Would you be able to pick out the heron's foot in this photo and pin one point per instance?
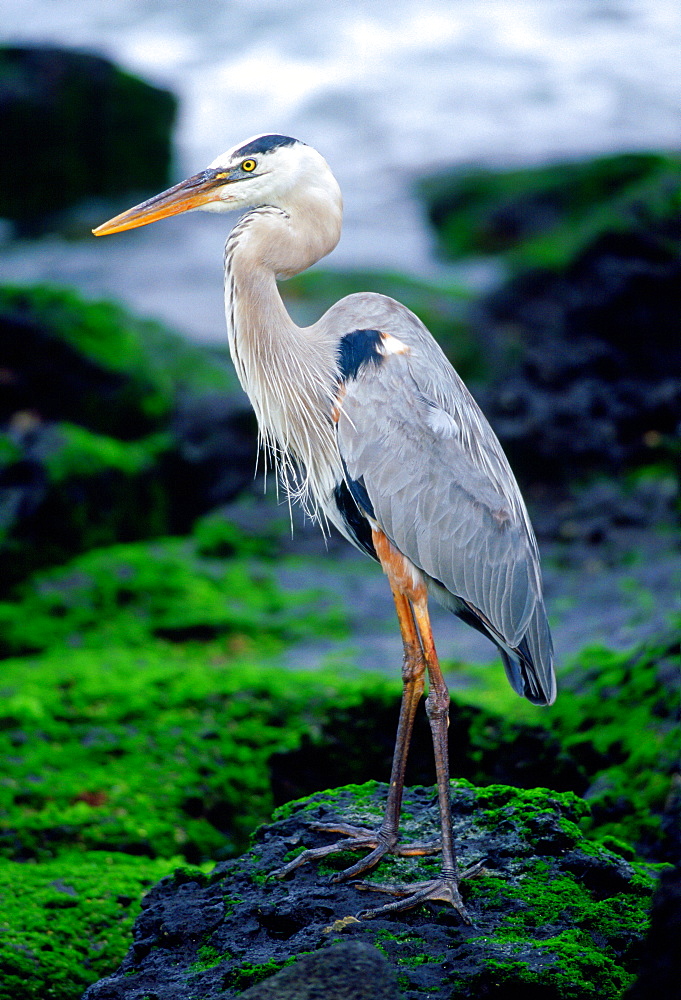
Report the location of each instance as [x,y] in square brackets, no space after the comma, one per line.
[356,838]
[443,889]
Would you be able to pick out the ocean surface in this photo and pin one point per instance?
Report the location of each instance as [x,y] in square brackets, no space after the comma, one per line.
[388,92]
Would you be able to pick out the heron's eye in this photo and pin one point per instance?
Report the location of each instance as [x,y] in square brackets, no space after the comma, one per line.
[249,166]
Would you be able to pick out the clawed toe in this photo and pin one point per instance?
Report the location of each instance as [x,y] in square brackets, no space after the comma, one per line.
[444,889]
[356,838]
[317,853]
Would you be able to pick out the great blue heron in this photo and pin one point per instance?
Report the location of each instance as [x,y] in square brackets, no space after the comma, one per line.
[372,427]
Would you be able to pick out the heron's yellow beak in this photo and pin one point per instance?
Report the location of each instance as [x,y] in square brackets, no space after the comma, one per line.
[192,193]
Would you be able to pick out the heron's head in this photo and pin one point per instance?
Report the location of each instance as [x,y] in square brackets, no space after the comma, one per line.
[265,170]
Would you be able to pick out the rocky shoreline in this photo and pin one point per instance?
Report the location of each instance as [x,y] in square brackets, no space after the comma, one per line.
[176,663]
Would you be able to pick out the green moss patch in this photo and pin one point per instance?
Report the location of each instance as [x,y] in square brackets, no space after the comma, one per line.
[613,735]
[129,594]
[66,922]
[113,373]
[546,216]
[619,714]
[94,490]
[158,751]
[151,713]
[89,452]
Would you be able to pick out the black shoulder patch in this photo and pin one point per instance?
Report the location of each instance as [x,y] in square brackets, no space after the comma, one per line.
[358,349]
[356,523]
[264,144]
[359,493]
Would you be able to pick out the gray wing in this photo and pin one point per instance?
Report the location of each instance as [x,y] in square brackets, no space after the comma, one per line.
[422,461]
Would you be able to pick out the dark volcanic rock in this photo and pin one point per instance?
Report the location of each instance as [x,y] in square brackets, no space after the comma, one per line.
[76,126]
[215,452]
[555,916]
[660,975]
[111,428]
[598,383]
[349,971]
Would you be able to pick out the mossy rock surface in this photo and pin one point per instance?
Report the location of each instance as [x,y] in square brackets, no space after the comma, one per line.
[553,914]
[545,216]
[75,126]
[95,364]
[158,663]
[64,488]
[583,337]
[169,588]
[111,429]
[618,717]
[589,742]
[147,715]
[67,921]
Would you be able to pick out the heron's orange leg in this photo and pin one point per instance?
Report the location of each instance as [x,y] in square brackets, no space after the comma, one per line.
[411,602]
[444,888]
[384,840]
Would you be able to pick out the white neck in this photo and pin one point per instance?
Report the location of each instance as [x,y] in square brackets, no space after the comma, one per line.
[289,374]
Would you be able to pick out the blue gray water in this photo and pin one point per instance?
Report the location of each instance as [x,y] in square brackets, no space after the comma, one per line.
[387,91]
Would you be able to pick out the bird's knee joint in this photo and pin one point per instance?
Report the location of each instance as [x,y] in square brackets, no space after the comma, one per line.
[411,672]
[413,666]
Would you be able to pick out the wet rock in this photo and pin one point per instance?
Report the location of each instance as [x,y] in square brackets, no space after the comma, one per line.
[352,971]
[215,452]
[553,913]
[660,974]
[596,386]
[64,489]
[75,126]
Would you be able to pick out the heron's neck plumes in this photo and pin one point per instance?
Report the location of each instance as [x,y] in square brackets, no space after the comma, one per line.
[289,374]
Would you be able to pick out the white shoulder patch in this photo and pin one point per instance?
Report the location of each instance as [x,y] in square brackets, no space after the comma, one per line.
[391,345]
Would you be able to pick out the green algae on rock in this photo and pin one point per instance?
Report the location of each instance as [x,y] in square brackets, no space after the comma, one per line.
[164,589]
[552,912]
[619,721]
[157,750]
[66,488]
[545,216]
[66,921]
[95,410]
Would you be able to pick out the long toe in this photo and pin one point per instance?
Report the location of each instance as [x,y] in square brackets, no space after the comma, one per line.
[444,889]
[317,853]
[356,838]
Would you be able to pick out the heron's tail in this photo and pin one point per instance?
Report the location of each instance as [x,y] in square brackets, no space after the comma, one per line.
[529,666]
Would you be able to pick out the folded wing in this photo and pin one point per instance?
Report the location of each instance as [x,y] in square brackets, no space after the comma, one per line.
[422,462]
